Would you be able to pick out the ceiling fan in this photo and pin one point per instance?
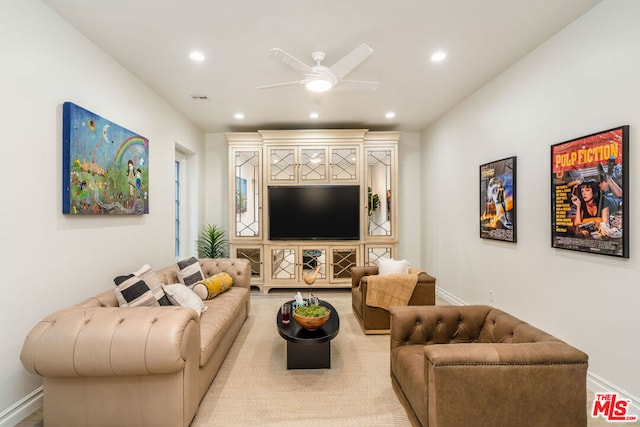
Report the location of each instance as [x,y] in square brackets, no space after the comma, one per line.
[319,78]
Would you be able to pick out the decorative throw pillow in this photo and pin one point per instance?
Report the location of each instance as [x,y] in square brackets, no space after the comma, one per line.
[181,295]
[392,266]
[190,271]
[217,284]
[141,287]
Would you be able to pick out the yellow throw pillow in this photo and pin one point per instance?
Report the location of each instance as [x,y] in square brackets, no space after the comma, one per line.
[217,284]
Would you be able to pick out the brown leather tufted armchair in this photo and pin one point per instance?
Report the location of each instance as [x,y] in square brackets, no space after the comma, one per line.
[375,320]
[479,366]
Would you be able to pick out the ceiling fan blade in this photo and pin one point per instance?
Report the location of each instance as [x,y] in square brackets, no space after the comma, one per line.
[291,61]
[356,85]
[351,61]
[276,85]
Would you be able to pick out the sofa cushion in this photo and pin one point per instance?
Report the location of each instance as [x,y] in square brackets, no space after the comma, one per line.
[141,287]
[215,322]
[189,271]
[181,295]
[392,266]
[216,284]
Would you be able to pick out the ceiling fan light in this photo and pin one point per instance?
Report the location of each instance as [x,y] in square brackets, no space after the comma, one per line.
[319,85]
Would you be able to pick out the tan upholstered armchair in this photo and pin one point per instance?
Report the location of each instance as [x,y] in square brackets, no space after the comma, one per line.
[479,366]
[375,320]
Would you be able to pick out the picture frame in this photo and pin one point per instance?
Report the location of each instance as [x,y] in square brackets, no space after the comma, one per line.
[498,200]
[589,191]
[241,195]
[105,167]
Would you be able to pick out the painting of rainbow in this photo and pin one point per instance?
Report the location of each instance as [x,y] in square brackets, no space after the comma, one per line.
[105,167]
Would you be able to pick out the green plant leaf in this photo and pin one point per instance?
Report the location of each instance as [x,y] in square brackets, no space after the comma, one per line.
[212,242]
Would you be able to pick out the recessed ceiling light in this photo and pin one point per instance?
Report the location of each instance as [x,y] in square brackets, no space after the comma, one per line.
[438,56]
[390,115]
[238,116]
[197,56]
[314,115]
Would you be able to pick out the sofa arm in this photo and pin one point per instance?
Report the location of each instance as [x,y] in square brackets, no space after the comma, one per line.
[111,341]
[541,383]
[538,353]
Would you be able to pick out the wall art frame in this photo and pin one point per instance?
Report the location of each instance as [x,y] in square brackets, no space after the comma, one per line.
[498,200]
[105,167]
[589,193]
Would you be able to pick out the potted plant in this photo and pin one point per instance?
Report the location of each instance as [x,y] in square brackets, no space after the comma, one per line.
[212,242]
[373,201]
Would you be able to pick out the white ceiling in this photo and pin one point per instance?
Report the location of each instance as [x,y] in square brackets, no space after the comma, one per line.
[153,39]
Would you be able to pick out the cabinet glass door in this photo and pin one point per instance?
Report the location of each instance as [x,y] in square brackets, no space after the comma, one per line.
[283,263]
[342,259]
[313,164]
[282,164]
[344,164]
[374,253]
[379,192]
[254,256]
[314,258]
[246,187]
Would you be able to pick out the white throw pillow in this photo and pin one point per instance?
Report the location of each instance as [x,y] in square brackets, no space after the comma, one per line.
[181,295]
[392,266]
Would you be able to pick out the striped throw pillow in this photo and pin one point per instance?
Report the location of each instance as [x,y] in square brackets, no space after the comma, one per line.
[141,287]
[190,271]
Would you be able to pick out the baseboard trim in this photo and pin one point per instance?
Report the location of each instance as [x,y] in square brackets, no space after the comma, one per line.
[598,384]
[450,298]
[22,409]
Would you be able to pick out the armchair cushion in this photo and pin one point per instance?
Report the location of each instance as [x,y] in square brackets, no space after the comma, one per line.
[392,266]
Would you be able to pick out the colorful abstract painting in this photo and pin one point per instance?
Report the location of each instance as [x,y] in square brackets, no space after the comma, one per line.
[105,166]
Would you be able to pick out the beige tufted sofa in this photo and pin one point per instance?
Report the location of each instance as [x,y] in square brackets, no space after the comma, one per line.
[103,365]
[479,366]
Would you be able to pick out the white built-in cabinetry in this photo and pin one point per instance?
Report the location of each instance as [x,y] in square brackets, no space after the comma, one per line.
[260,159]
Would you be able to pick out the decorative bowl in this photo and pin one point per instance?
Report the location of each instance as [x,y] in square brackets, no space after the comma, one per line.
[311,323]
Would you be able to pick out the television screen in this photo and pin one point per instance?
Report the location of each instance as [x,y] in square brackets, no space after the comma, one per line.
[324,212]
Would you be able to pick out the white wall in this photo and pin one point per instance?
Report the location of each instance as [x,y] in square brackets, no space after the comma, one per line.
[49,260]
[583,80]
[217,199]
[410,185]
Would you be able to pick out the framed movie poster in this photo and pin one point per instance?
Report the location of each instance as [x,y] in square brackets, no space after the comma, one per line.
[498,200]
[589,187]
[105,167]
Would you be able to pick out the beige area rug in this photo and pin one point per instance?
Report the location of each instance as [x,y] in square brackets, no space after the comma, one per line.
[254,387]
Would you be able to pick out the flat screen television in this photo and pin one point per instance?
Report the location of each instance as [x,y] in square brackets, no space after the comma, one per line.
[319,212]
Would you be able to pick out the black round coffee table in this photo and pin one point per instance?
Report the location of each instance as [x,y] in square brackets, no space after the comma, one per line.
[309,349]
